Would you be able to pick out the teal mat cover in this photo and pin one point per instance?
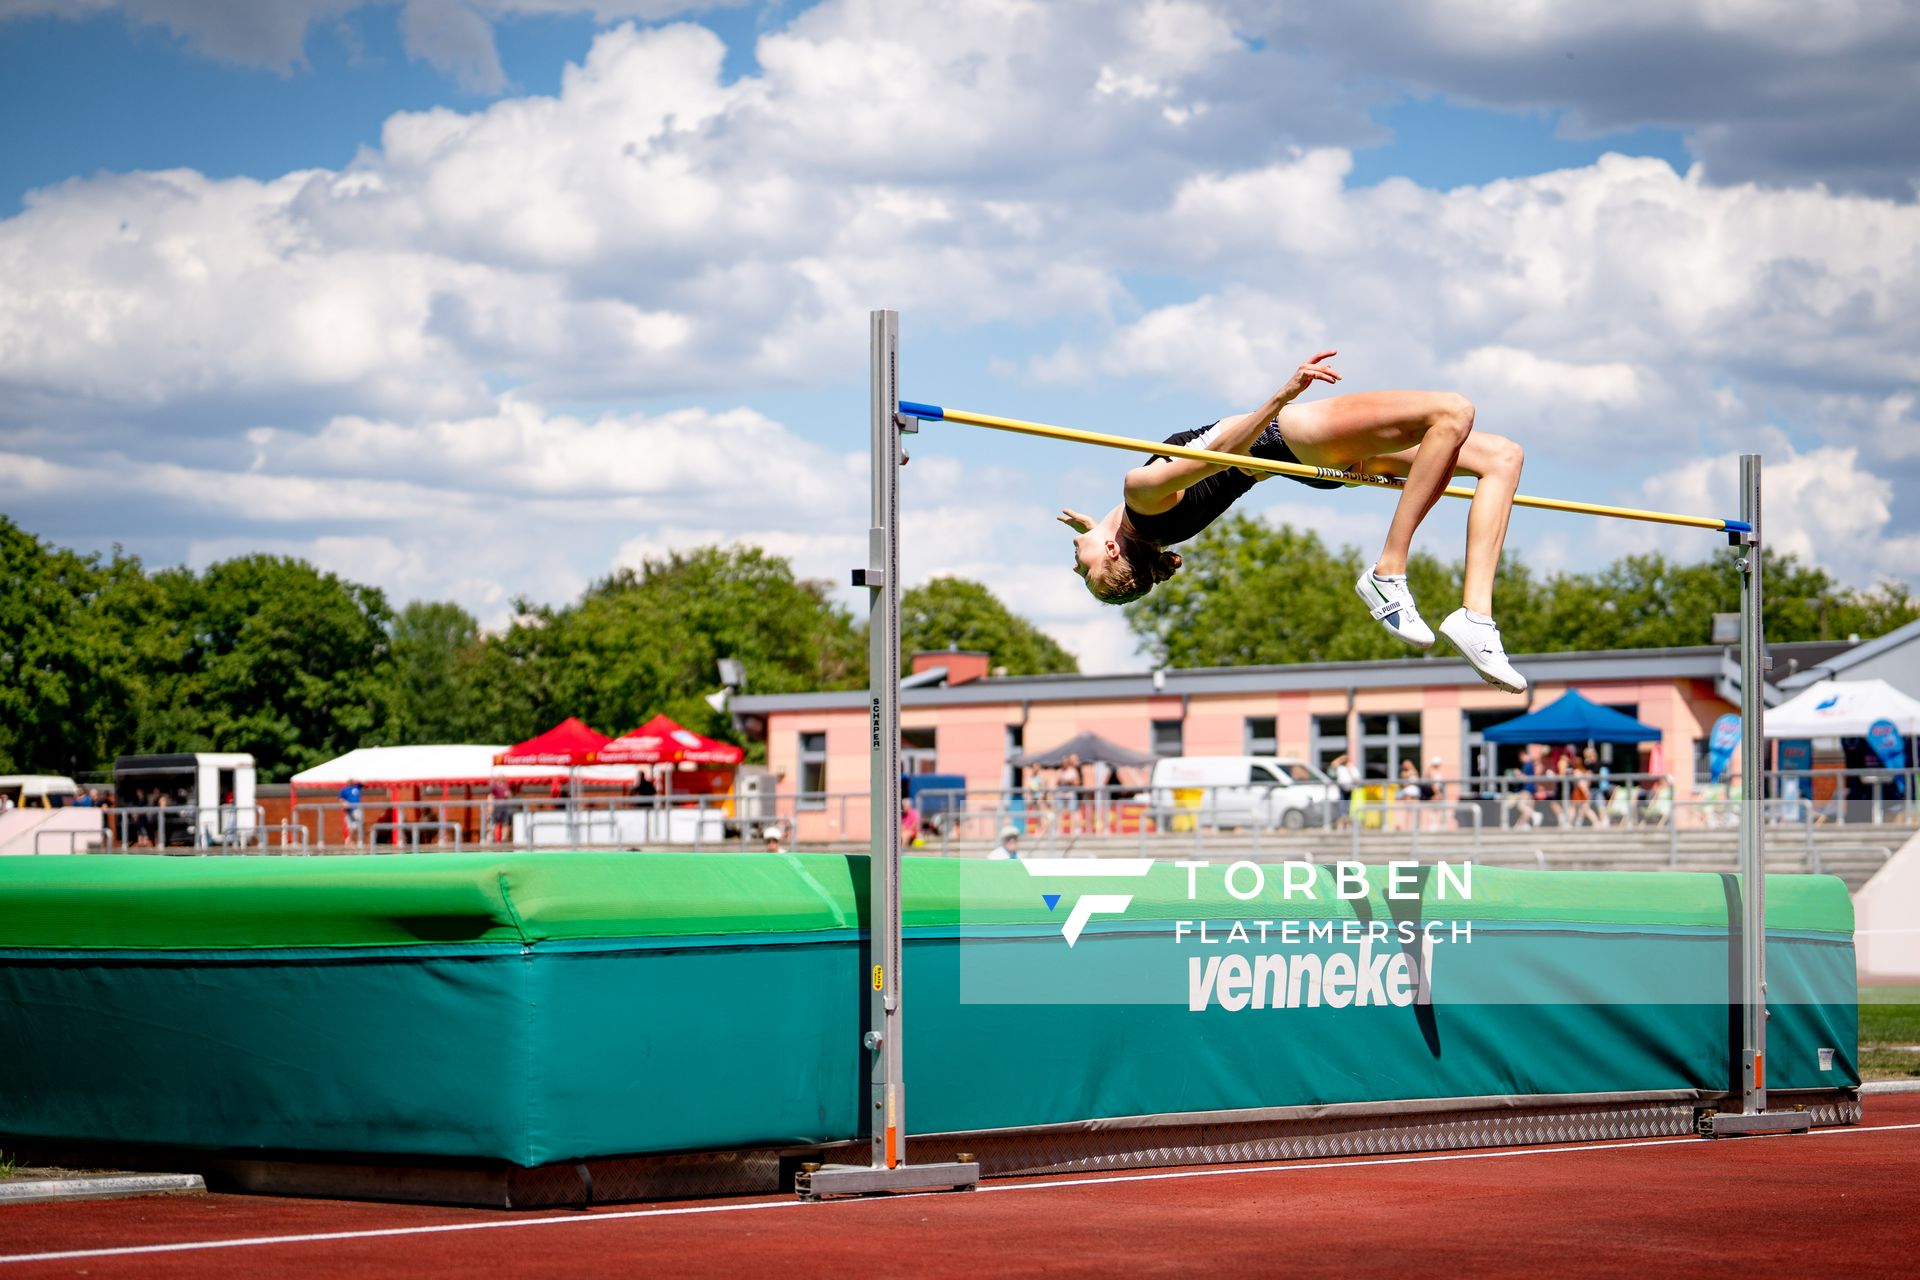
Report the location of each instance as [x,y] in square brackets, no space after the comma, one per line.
[541,1007]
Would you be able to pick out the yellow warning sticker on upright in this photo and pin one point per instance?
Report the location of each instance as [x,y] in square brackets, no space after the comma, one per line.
[879,978]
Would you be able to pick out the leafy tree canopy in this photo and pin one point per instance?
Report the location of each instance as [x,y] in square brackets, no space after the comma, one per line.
[265,654]
[65,687]
[953,612]
[100,657]
[648,640]
[1252,592]
[434,651]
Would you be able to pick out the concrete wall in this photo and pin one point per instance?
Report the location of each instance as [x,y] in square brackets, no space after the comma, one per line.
[1887,918]
[20,828]
[847,769]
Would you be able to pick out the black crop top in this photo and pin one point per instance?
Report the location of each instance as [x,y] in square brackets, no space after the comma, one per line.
[1206,500]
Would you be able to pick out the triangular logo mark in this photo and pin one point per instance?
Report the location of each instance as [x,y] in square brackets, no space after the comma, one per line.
[1051,899]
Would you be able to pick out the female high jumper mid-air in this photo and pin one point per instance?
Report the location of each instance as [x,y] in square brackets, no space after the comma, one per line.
[1424,436]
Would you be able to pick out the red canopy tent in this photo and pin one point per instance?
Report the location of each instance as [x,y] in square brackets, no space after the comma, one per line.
[661,740]
[570,743]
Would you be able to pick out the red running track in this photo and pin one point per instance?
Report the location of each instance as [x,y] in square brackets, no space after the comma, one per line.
[1839,1202]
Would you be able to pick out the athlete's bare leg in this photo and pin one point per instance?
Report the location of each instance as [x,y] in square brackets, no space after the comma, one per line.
[1428,437]
[1496,460]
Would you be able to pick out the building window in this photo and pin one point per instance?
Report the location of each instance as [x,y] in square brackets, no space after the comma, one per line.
[813,771]
[1262,740]
[1387,738]
[1167,738]
[1329,741]
[917,750]
[1013,777]
[1485,759]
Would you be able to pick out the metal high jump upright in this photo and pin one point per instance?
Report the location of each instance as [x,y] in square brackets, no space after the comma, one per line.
[1750,1075]
[891,418]
[888,1168]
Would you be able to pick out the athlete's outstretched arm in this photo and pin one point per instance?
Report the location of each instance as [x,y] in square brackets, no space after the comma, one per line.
[1151,488]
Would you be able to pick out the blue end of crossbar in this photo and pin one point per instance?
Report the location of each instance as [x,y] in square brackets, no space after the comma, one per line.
[931,412]
[1738,526]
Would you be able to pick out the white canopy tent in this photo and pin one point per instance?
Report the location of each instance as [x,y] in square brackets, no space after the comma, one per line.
[1843,709]
[468,764]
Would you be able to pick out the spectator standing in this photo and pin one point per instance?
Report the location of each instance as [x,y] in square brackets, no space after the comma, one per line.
[1580,803]
[1559,795]
[1602,775]
[1411,791]
[499,811]
[1517,808]
[1345,777]
[350,817]
[1073,795]
[909,824]
[1434,791]
[1009,846]
[1536,767]
[141,836]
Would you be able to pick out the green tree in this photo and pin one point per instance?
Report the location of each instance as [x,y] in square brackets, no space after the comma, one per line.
[265,654]
[1251,593]
[648,640]
[955,612]
[1872,612]
[66,690]
[433,651]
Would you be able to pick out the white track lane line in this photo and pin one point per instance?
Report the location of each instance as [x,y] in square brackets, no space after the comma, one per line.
[579,1219]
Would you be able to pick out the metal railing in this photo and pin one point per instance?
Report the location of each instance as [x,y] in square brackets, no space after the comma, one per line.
[1644,799]
[412,832]
[264,837]
[98,838]
[180,826]
[1055,819]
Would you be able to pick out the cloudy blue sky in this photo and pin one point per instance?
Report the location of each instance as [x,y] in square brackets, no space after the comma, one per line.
[480,298]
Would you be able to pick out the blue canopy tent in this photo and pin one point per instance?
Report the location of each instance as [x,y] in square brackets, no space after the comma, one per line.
[1572,719]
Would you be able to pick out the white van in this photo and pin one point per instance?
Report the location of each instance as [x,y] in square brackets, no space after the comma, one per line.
[1246,791]
[37,790]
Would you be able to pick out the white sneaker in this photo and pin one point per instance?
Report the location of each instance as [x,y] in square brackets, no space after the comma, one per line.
[1393,607]
[1480,643]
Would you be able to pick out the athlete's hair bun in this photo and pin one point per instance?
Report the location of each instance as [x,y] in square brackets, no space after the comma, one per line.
[1140,565]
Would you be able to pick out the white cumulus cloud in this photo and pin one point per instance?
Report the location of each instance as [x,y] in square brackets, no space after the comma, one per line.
[508,348]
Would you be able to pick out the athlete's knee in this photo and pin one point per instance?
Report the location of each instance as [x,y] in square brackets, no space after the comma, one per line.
[1503,456]
[1452,415]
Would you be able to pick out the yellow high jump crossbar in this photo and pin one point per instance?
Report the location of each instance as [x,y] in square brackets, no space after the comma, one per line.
[936,413]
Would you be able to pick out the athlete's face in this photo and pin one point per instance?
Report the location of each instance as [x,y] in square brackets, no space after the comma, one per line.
[1094,560]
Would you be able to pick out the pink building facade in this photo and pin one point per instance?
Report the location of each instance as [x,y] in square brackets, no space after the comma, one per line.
[973,725]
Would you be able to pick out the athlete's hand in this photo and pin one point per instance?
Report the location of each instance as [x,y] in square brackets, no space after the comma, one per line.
[1309,373]
[1074,520]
